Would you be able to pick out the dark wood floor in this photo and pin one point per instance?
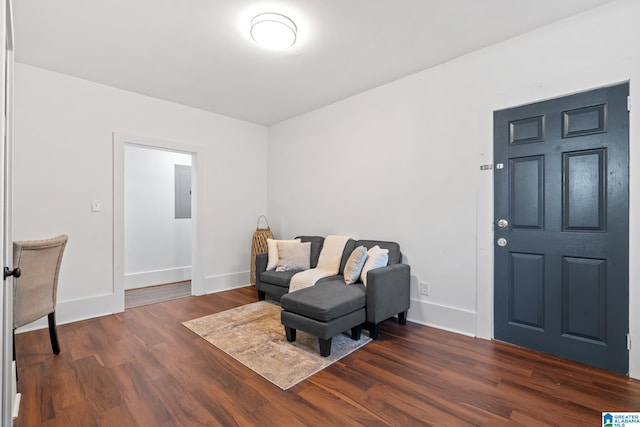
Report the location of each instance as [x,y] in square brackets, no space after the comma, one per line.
[143,368]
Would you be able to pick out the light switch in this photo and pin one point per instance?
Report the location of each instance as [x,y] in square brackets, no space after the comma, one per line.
[96,206]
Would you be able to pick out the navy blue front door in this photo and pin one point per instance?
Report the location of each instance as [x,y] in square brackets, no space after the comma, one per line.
[561,230]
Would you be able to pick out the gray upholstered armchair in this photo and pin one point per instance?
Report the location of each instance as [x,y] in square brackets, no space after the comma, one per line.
[36,287]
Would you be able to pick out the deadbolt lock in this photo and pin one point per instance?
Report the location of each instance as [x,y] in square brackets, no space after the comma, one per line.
[502,223]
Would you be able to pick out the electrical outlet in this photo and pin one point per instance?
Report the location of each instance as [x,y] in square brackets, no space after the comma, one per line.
[424,288]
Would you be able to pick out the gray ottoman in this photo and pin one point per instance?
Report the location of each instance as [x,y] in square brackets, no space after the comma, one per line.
[324,310]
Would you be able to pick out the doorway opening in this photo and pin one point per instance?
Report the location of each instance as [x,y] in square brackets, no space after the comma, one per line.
[157,244]
[157,225]
[561,239]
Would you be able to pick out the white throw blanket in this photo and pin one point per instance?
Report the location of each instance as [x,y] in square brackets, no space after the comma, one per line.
[328,264]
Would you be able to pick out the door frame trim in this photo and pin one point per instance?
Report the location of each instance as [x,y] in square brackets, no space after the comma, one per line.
[197,250]
[553,329]
[624,71]
[9,397]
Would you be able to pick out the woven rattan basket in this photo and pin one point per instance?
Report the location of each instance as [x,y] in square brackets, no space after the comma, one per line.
[259,244]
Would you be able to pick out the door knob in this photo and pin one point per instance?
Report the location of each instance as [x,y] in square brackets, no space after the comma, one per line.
[502,223]
[502,242]
[15,272]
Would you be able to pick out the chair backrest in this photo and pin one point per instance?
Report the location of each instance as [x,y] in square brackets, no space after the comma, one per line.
[34,292]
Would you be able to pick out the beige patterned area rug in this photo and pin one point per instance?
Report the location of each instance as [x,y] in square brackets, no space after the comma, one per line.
[254,336]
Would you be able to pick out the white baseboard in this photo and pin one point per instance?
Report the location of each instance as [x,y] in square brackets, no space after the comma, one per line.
[443,317]
[16,406]
[225,282]
[15,396]
[156,277]
[102,305]
[75,310]
[425,313]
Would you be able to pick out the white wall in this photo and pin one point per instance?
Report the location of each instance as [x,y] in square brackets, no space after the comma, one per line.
[64,158]
[408,152]
[402,161]
[157,245]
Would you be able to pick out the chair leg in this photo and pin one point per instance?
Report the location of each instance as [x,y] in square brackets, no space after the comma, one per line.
[402,318]
[291,333]
[14,353]
[374,331]
[53,334]
[325,347]
[356,332]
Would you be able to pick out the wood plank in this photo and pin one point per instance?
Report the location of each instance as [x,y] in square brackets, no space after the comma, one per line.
[143,367]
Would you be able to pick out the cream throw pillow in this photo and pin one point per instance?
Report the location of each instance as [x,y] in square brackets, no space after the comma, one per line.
[272,252]
[293,256]
[376,258]
[354,265]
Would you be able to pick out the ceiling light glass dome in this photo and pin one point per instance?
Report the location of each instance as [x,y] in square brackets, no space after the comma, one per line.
[273,31]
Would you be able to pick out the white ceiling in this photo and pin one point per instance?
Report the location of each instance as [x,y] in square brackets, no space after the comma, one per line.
[199,52]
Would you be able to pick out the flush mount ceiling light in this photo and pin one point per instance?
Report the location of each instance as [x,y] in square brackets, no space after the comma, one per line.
[273,31]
